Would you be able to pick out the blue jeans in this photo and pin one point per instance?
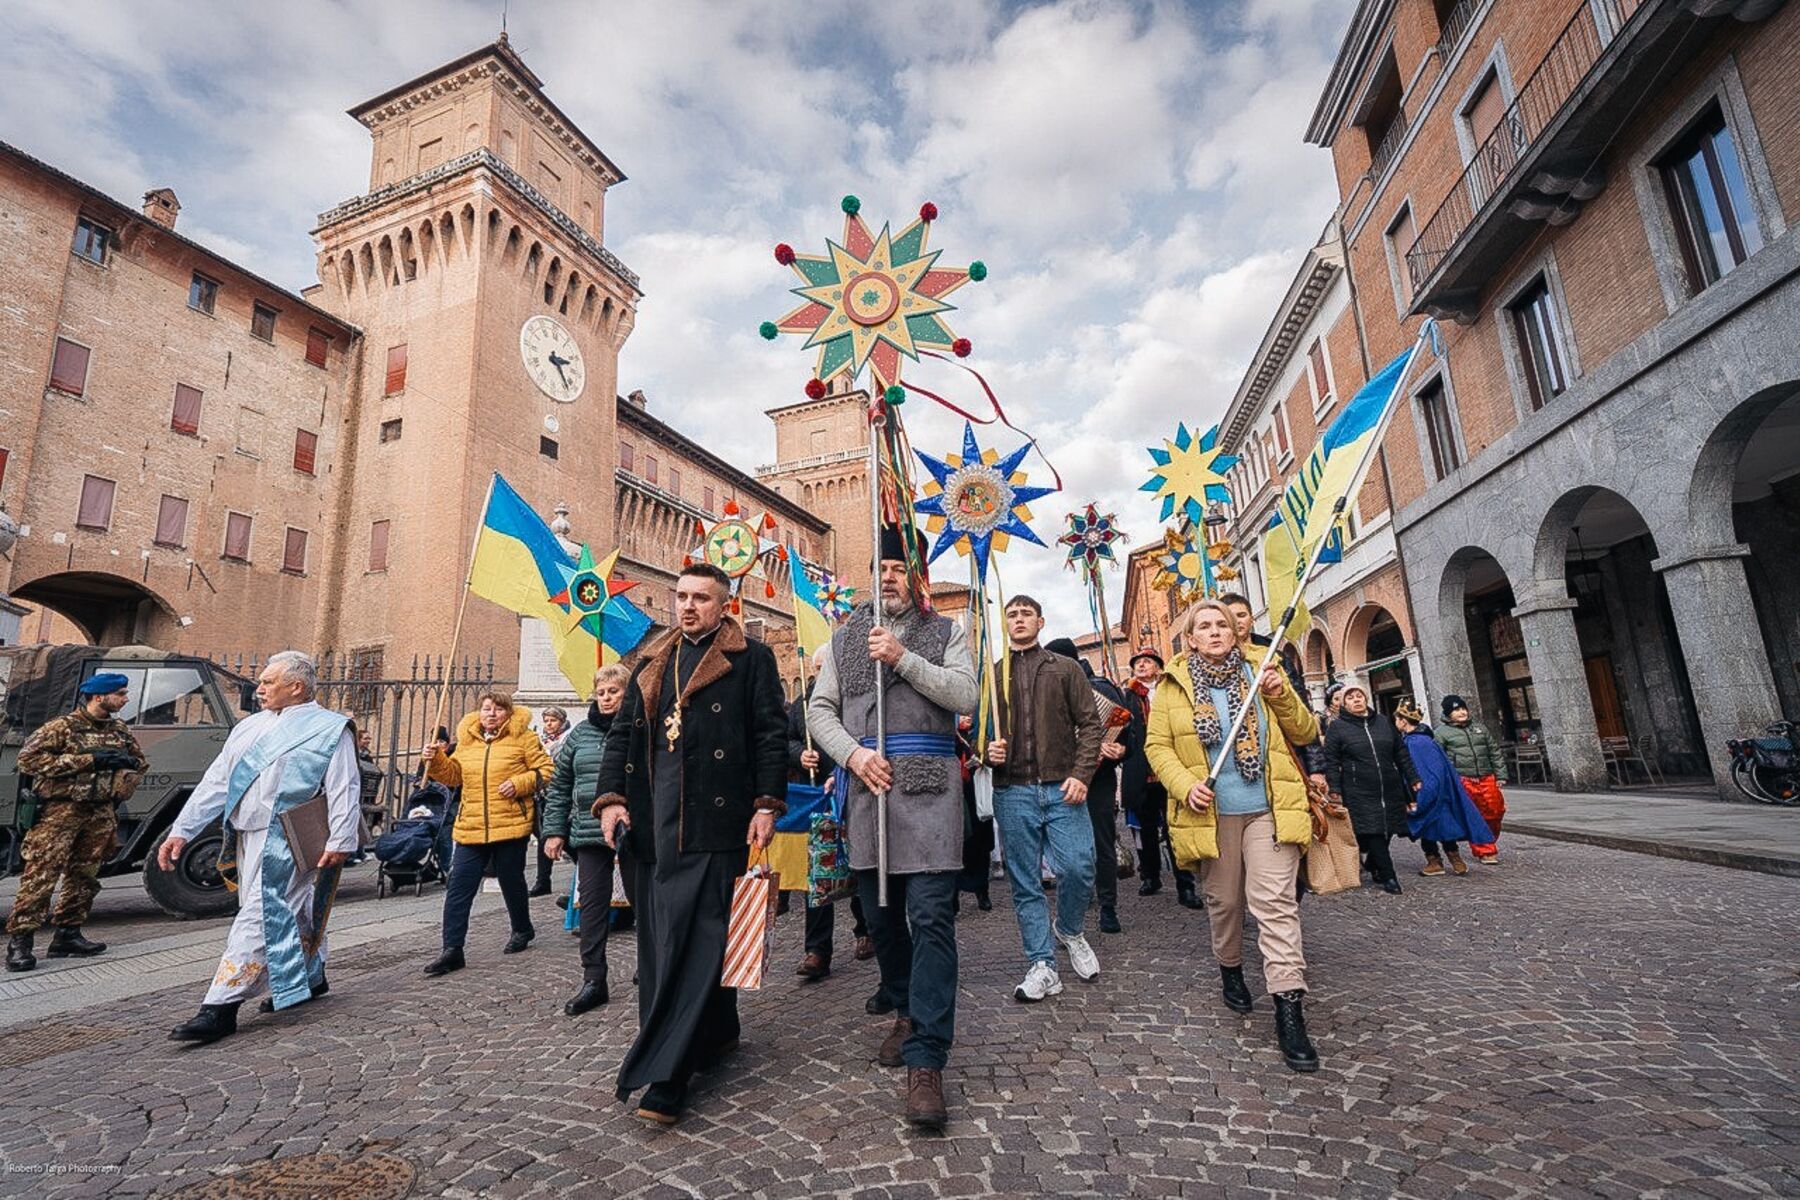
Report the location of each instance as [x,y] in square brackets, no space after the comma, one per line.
[915,946]
[1035,823]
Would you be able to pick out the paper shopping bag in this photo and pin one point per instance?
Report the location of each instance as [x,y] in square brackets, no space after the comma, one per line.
[752,928]
[1332,861]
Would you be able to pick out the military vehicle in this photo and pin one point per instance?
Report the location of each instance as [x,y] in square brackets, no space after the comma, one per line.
[181,709]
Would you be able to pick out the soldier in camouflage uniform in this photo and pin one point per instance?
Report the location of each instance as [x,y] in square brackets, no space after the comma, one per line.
[81,766]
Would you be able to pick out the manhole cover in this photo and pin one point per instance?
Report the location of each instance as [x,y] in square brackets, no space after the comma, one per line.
[374,1176]
[30,1045]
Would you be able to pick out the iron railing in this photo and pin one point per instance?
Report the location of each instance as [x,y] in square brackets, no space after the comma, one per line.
[1451,31]
[1590,30]
[396,713]
[1390,144]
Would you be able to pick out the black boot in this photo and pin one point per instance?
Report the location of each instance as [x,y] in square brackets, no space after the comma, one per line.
[450,960]
[319,989]
[1109,920]
[1152,884]
[1290,1032]
[518,941]
[540,888]
[18,953]
[592,995]
[214,1021]
[1186,894]
[67,942]
[879,1004]
[1237,996]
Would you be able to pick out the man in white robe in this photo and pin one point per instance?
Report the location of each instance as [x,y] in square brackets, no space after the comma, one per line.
[271,761]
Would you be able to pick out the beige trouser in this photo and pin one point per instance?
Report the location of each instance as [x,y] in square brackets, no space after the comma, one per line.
[1253,869]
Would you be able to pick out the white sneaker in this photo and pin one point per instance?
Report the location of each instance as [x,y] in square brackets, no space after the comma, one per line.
[1082,958]
[1040,981]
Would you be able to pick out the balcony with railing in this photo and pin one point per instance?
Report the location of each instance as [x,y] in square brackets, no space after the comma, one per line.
[1545,157]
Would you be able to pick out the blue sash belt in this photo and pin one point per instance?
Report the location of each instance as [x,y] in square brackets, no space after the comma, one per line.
[917,745]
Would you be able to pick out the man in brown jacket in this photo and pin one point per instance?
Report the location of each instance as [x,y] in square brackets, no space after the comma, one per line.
[1048,750]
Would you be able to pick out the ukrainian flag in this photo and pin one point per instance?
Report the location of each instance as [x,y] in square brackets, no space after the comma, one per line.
[1283,565]
[811,629]
[519,564]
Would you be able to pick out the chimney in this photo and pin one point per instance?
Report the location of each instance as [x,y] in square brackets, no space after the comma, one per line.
[162,207]
[638,398]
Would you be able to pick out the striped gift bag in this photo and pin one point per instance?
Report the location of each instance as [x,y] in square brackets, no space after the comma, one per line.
[752,928]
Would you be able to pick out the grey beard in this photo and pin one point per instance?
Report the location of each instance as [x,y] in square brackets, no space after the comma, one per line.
[897,606]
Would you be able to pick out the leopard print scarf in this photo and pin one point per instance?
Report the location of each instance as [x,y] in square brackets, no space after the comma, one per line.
[1232,676]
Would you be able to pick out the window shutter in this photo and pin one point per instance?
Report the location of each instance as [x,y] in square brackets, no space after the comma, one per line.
[3,454]
[171,521]
[378,546]
[95,511]
[396,370]
[318,347]
[237,536]
[186,417]
[68,371]
[293,553]
[306,447]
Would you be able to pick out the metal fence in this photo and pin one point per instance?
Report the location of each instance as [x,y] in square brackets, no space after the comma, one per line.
[394,714]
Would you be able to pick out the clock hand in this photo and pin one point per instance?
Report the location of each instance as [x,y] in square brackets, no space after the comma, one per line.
[559,362]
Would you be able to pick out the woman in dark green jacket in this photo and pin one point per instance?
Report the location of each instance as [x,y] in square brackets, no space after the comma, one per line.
[570,827]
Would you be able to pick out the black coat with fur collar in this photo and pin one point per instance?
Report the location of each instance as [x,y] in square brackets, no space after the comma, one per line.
[733,744]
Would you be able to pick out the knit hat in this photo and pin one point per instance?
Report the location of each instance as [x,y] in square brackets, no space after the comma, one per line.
[1410,710]
[1452,702]
[893,545]
[1331,691]
[1356,683]
[1062,646]
[105,684]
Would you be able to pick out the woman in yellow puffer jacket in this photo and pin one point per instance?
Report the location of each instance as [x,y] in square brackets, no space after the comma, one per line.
[500,764]
[1248,833]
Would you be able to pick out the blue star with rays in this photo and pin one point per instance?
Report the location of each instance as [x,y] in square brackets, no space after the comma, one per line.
[977,501]
[1189,472]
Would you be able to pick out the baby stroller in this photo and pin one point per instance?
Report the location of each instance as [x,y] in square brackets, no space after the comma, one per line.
[416,851]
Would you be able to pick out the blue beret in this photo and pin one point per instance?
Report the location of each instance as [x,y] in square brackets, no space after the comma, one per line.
[105,684]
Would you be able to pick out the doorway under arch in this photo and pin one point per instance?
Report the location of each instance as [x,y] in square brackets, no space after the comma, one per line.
[110,610]
[1475,609]
[1374,643]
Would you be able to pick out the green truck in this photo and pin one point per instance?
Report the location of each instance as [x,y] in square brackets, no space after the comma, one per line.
[181,709]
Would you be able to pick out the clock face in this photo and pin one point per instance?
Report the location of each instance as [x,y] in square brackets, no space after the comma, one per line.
[552,359]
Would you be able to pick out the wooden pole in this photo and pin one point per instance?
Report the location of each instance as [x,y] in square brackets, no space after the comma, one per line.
[462,607]
[876,419]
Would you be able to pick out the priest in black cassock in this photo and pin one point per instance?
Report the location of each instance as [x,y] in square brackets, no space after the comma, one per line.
[698,777]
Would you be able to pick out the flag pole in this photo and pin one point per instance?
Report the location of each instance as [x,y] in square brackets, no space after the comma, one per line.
[876,419]
[461,608]
[1279,632]
[1106,645]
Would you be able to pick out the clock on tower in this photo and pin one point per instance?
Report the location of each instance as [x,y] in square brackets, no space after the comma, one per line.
[552,359]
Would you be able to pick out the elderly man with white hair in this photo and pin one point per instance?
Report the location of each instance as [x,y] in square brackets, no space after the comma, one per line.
[287,786]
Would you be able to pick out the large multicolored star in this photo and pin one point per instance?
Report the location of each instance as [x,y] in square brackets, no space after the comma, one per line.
[1090,539]
[977,501]
[1189,472]
[595,598]
[872,300]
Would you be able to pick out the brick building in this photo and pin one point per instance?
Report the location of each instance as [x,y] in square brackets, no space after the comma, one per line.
[1596,486]
[200,459]
[822,462]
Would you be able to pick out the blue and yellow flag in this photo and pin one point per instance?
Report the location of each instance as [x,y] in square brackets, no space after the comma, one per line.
[520,565]
[811,627]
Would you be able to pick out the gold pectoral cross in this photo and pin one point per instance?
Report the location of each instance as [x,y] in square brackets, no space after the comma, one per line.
[672,726]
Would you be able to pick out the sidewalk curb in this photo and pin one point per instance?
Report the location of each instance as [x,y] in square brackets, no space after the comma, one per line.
[1717,856]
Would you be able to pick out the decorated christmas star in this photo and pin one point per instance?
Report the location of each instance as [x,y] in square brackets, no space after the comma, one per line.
[595,598]
[836,599]
[977,501]
[736,546]
[1090,539]
[1181,565]
[874,300]
[1189,472]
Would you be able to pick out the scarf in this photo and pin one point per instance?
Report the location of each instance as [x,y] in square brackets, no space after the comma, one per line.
[1229,676]
[599,720]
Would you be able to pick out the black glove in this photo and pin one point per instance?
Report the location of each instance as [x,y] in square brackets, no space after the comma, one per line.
[114,760]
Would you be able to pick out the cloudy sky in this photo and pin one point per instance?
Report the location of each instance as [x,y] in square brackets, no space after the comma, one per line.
[1132,173]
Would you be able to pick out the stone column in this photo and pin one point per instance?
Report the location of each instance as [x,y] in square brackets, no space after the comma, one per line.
[1571,738]
[1722,644]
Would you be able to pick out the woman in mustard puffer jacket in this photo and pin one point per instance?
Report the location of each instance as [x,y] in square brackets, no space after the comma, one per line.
[1249,832]
[500,764]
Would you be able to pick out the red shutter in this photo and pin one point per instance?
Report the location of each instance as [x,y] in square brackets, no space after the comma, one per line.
[626,456]
[3,454]
[378,544]
[68,371]
[396,370]
[306,448]
[293,553]
[237,536]
[186,417]
[171,521]
[318,347]
[650,467]
[96,503]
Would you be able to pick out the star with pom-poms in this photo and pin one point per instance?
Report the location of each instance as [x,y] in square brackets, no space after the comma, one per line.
[1090,539]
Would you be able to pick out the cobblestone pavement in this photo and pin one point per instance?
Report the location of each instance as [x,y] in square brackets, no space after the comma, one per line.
[1575,1022]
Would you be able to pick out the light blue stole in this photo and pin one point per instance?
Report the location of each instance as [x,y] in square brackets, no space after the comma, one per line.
[301,747]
